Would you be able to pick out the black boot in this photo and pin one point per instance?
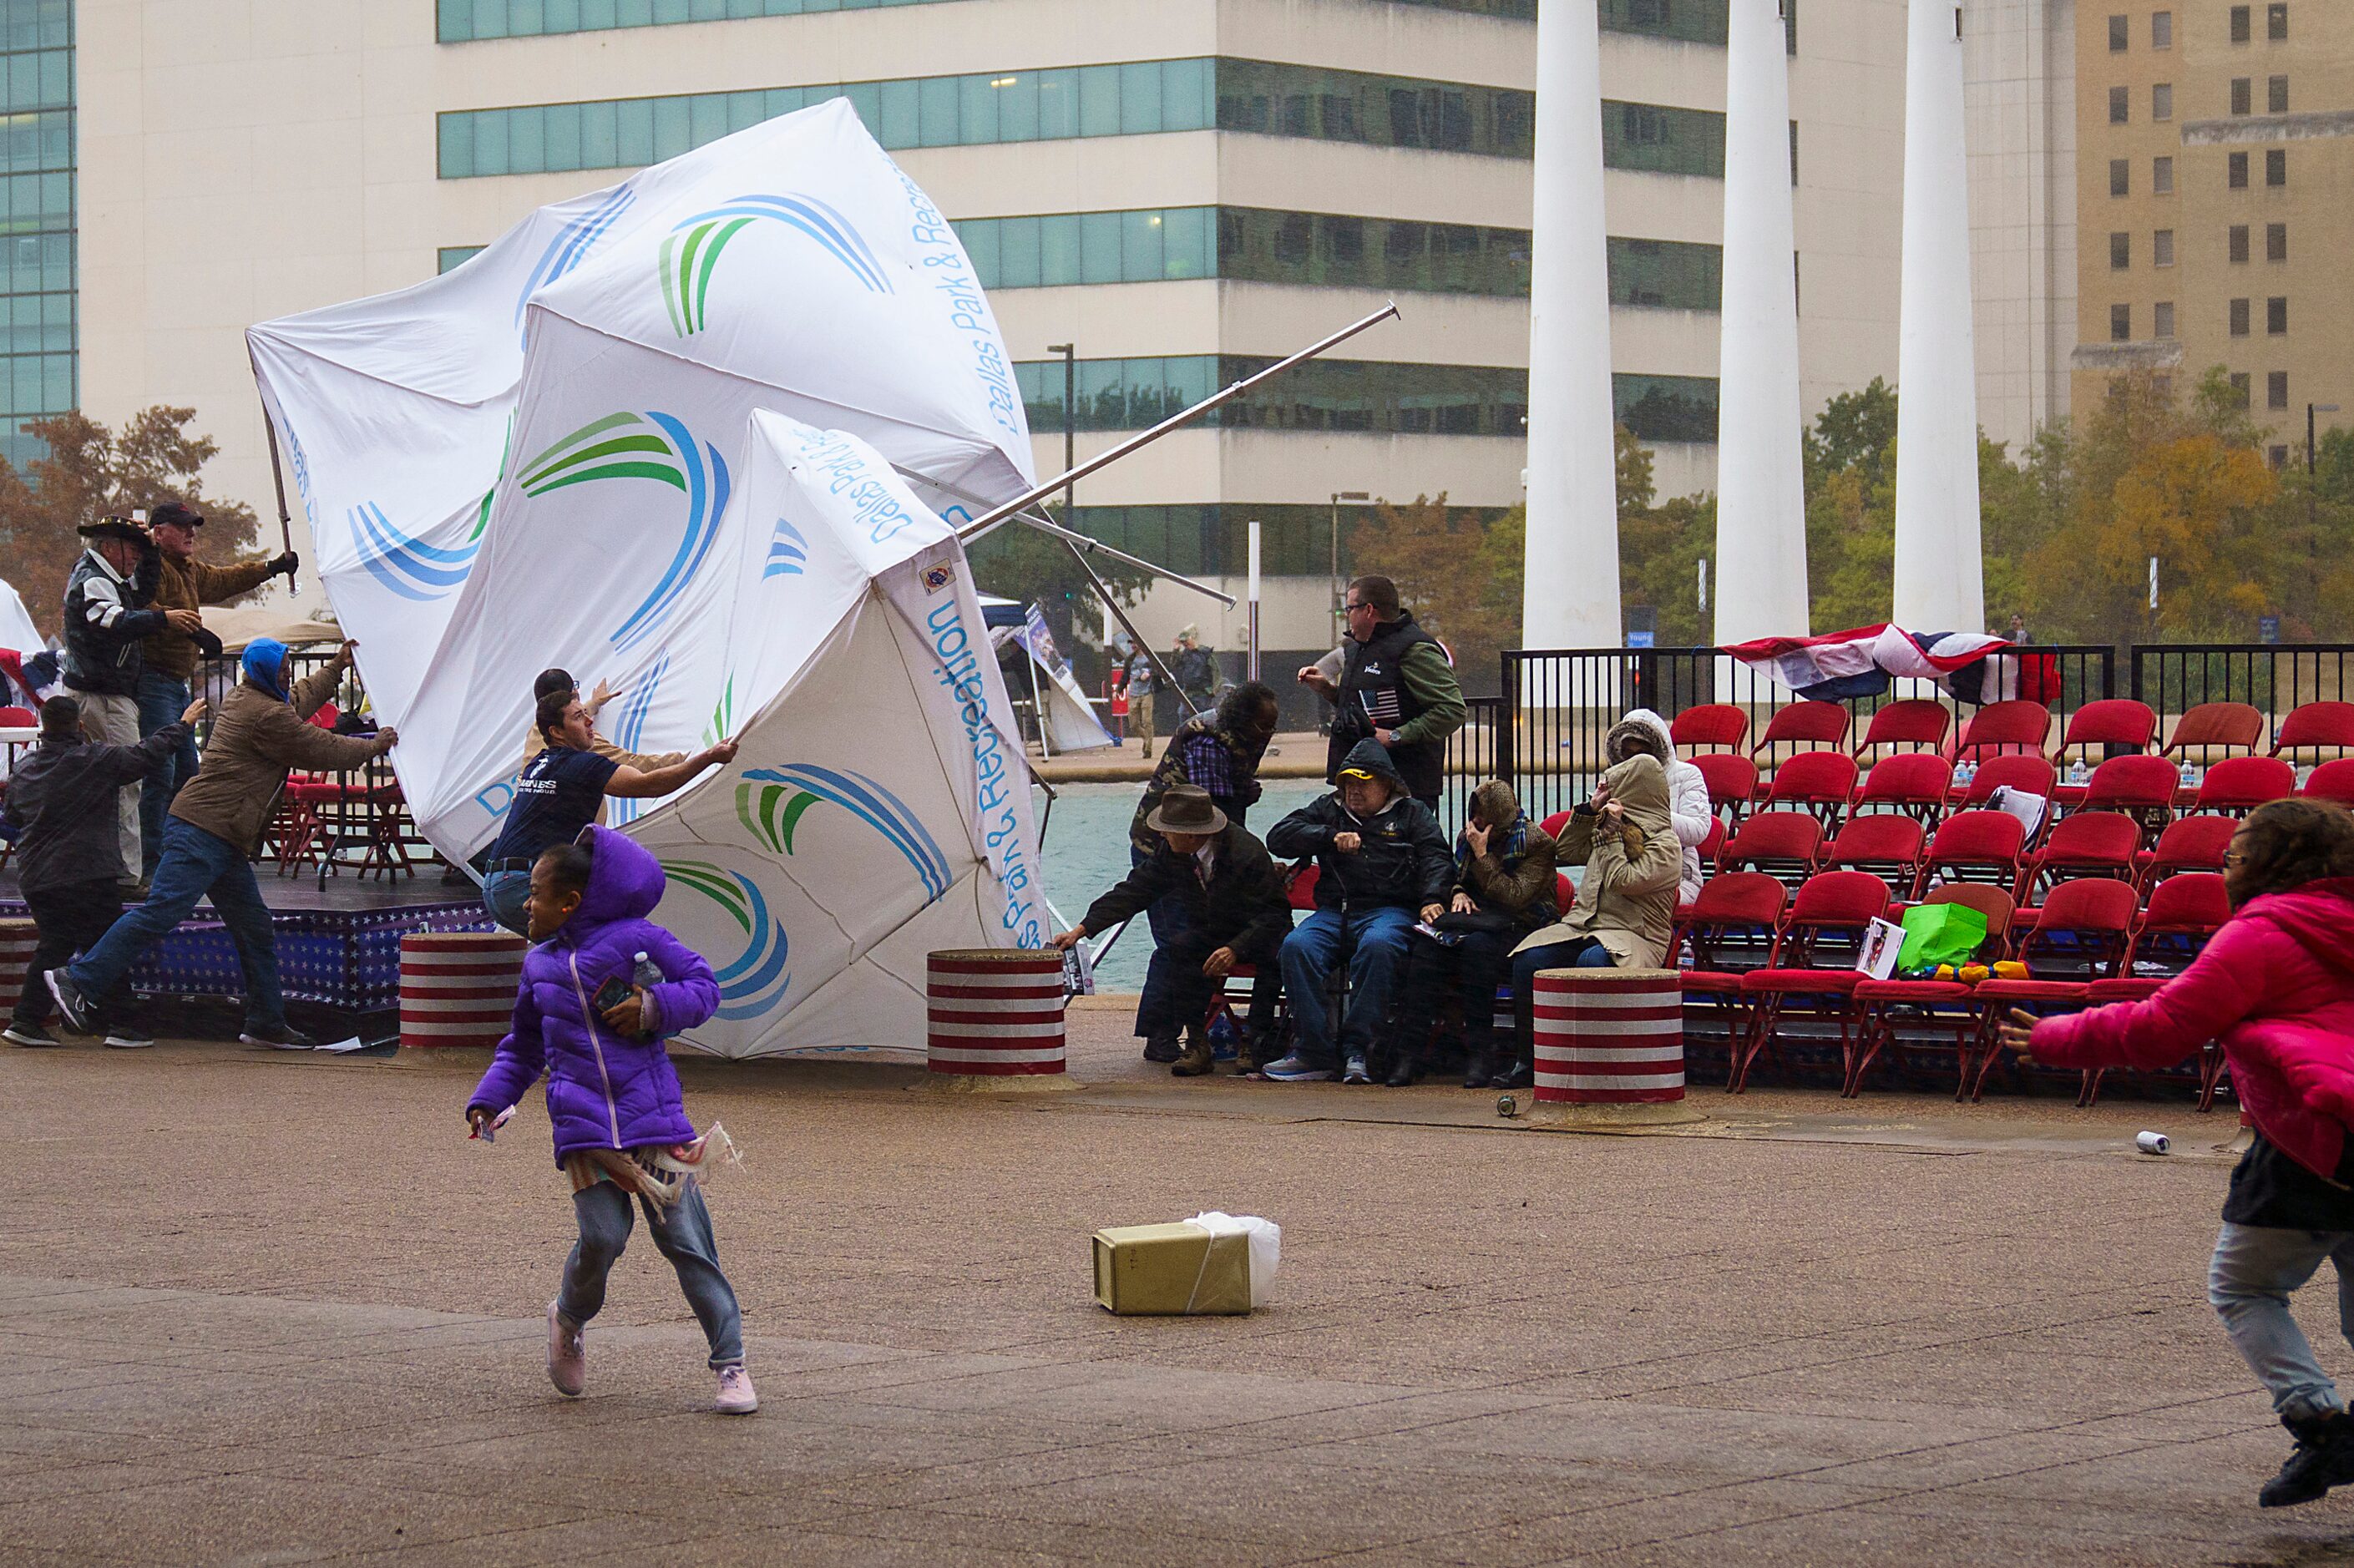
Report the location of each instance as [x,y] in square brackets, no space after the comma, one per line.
[1161,1046]
[1405,1066]
[1521,1075]
[1478,1070]
[2324,1459]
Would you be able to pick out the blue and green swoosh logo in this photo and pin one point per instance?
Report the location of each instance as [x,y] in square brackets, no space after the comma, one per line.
[755,981]
[771,813]
[689,256]
[407,564]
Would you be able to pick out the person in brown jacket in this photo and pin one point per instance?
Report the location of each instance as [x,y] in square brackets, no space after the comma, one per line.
[216,824]
[168,658]
[1504,888]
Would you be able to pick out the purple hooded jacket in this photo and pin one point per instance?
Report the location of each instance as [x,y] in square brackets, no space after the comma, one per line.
[603,1092]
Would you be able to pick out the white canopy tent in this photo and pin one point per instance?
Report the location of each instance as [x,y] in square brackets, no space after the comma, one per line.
[17,627]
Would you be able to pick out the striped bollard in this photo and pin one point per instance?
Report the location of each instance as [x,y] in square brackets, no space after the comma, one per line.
[994,1013]
[18,940]
[458,988]
[1609,1037]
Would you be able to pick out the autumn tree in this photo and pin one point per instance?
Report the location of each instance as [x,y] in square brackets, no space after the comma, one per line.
[89,472]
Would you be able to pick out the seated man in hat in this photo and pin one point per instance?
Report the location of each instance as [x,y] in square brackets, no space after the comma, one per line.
[1382,864]
[1236,914]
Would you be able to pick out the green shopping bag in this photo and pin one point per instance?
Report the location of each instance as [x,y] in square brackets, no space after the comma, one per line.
[1940,934]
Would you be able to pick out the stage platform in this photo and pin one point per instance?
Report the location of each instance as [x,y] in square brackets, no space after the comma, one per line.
[338,940]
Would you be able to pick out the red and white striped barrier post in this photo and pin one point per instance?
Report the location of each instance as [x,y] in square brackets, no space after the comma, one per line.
[18,940]
[994,1013]
[1609,1037]
[458,988]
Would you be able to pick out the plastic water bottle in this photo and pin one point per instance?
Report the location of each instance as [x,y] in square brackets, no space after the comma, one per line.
[645,973]
[2077,773]
[1964,773]
[2189,775]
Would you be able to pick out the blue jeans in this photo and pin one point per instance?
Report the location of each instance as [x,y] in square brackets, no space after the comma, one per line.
[1580,953]
[162,700]
[681,1234]
[1380,935]
[195,865]
[2248,1284]
[503,894]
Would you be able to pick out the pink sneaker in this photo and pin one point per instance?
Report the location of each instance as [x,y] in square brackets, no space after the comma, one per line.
[567,1358]
[735,1395]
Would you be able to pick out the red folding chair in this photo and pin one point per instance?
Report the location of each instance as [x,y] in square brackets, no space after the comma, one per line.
[1816,781]
[1979,847]
[1715,726]
[1888,847]
[2316,727]
[1554,824]
[2238,785]
[2099,844]
[14,717]
[2215,726]
[2188,843]
[2112,721]
[1811,978]
[2027,774]
[1732,782]
[2331,781]
[1783,844]
[1806,726]
[1940,1007]
[1914,722]
[2183,912]
[2082,934]
[1914,783]
[2140,786]
[1713,846]
[1730,930]
[1299,892]
[2001,730]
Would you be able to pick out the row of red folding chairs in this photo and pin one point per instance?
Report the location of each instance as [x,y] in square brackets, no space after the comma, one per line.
[2083,948]
[2019,726]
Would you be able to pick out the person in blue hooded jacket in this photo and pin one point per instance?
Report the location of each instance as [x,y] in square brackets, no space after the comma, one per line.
[613,1099]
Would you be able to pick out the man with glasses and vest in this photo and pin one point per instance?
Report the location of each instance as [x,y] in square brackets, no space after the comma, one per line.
[1397,686]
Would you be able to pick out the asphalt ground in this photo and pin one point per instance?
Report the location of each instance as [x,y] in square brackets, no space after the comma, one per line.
[258,1307]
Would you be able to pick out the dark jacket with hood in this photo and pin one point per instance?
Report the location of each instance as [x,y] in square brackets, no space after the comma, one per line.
[63,798]
[1244,907]
[257,735]
[603,1091]
[1517,878]
[1404,860]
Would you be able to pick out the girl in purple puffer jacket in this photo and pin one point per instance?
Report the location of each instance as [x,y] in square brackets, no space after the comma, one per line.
[612,1096]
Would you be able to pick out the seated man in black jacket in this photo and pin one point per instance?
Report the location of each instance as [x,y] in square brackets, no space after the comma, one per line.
[1382,864]
[1236,912]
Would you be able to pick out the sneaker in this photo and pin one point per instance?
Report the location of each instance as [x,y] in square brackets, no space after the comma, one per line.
[72,1007]
[568,1355]
[1298,1069]
[282,1038]
[123,1037]
[735,1395]
[28,1034]
[1354,1071]
[2324,1459]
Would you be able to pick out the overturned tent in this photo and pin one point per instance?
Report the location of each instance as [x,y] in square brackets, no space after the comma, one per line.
[17,629]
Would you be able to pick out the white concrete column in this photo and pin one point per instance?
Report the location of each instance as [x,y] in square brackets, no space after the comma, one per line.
[1940,574]
[1570,599]
[1761,500]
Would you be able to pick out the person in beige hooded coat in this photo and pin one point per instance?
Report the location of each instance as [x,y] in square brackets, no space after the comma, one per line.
[1626,908]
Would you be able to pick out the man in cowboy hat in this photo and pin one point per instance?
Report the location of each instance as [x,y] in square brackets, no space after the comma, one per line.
[1236,914]
[108,616]
[168,657]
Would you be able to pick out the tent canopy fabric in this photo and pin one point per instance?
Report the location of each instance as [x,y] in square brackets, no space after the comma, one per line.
[17,629]
[1864,662]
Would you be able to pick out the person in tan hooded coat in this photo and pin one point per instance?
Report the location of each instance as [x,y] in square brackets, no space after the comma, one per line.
[1626,908]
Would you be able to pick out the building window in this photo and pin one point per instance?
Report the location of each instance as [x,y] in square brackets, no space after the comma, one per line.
[2276,95]
[38,304]
[2119,108]
[2276,167]
[1357,395]
[2161,101]
[2277,316]
[2239,389]
[2161,176]
[2277,457]
[2276,23]
[2239,318]
[1666,408]
[2161,318]
[2239,24]
[2120,323]
[2242,95]
[2161,253]
[2277,242]
[2120,252]
[2235,167]
[463,21]
[2120,176]
[2162,29]
[450,255]
[1662,140]
[2239,243]
[2276,389]
[2119,26]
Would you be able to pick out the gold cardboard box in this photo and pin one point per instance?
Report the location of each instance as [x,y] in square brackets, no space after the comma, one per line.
[1168,1270]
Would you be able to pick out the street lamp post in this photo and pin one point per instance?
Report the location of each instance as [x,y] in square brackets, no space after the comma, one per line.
[1338,497]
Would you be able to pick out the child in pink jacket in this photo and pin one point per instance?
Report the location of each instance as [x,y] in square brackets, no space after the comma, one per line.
[2275,988]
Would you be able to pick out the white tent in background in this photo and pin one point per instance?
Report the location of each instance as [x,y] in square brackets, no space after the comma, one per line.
[17,627]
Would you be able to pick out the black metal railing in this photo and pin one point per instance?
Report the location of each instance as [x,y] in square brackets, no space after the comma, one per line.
[2277,678]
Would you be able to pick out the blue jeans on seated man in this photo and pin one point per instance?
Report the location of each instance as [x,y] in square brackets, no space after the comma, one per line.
[162,700]
[195,865]
[1581,953]
[503,894]
[1380,935]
